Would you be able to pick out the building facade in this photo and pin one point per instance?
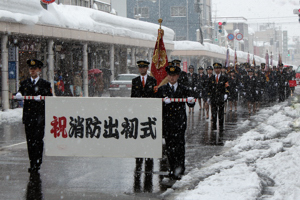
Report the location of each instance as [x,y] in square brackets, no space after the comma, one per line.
[184,17]
[103,5]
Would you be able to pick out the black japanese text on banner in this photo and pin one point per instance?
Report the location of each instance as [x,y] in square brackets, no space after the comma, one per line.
[103,127]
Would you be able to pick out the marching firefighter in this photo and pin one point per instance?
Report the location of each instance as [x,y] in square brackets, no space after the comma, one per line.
[174,121]
[251,90]
[218,94]
[192,86]
[201,77]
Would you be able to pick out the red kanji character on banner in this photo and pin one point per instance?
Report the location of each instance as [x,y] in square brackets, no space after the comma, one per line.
[59,127]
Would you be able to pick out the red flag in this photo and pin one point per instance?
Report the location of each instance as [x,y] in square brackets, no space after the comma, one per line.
[267,61]
[253,61]
[248,58]
[235,62]
[227,59]
[159,59]
[279,60]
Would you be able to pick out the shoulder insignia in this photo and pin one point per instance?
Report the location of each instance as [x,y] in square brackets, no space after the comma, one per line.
[226,84]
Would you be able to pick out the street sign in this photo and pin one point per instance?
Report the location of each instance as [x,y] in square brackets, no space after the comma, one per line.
[230,36]
[239,36]
[12,70]
[47,1]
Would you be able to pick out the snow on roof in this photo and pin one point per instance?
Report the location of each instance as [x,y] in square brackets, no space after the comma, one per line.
[251,31]
[76,17]
[192,46]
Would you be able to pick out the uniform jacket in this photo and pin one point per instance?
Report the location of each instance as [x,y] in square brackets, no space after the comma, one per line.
[183,79]
[251,86]
[216,91]
[281,78]
[234,85]
[34,111]
[174,114]
[191,84]
[138,90]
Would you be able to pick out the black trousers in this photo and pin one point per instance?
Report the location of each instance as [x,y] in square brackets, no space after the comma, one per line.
[35,144]
[281,94]
[175,150]
[217,109]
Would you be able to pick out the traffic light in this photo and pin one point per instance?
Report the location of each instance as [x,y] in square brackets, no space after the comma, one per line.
[296,11]
[289,53]
[220,27]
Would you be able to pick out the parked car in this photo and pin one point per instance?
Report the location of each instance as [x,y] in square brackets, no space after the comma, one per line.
[121,86]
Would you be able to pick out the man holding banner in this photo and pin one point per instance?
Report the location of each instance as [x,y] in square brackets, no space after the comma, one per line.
[174,121]
[34,112]
[143,86]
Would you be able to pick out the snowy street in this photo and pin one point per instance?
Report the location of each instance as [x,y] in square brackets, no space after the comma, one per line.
[260,160]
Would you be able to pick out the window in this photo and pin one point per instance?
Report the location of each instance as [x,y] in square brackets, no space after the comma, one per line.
[144,11]
[180,38]
[74,2]
[178,11]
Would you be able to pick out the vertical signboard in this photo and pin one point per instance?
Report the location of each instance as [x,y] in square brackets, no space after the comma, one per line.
[184,66]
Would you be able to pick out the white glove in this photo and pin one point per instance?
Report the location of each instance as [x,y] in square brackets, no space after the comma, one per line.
[256,92]
[276,84]
[244,93]
[167,100]
[236,90]
[190,100]
[195,88]
[225,97]
[286,83]
[208,100]
[19,96]
[37,98]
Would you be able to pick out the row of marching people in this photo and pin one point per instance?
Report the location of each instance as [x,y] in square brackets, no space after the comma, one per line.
[252,85]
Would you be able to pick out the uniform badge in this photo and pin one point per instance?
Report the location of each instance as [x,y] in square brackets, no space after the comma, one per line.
[32,62]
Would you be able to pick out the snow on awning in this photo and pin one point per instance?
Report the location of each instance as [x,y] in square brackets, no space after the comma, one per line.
[193,47]
[75,17]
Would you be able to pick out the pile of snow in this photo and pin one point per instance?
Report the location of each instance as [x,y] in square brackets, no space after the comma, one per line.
[266,158]
[11,115]
[30,12]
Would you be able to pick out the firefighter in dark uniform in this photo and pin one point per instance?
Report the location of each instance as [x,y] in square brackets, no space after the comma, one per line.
[209,71]
[233,90]
[251,90]
[259,89]
[34,112]
[218,93]
[264,82]
[143,86]
[289,75]
[192,86]
[183,79]
[201,77]
[174,121]
[273,84]
[282,82]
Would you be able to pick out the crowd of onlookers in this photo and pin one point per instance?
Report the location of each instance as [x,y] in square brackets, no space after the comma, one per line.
[71,84]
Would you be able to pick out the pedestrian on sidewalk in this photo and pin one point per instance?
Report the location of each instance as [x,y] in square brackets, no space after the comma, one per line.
[34,112]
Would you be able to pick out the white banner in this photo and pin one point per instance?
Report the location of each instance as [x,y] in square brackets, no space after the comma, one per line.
[103,127]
